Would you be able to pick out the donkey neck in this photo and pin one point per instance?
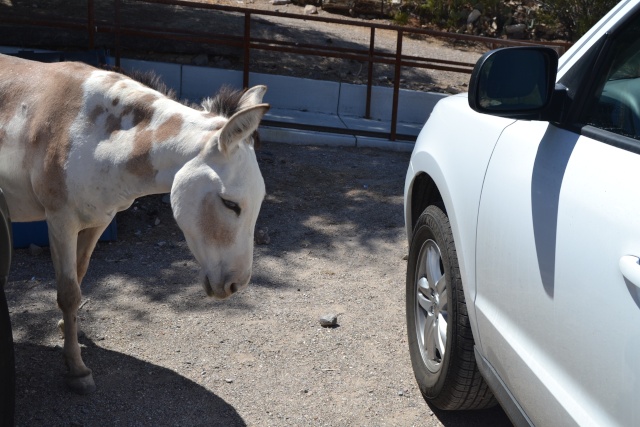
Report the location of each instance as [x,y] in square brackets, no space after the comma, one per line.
[178,137]
[158,138]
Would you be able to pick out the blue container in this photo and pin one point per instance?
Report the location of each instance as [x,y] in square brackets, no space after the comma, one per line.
[37,233]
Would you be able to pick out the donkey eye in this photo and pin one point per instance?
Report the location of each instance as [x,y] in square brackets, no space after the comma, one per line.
[231,205]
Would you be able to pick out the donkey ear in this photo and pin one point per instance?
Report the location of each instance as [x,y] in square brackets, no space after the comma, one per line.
[240,125]
[252,97]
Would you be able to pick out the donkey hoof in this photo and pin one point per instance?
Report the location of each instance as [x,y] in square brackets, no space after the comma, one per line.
[81,385]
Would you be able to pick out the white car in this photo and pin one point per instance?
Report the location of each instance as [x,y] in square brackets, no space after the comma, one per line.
[522,209]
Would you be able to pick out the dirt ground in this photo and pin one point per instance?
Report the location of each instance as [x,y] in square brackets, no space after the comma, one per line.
[163,354]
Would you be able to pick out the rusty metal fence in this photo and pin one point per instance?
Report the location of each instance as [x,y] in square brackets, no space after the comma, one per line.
[117,28]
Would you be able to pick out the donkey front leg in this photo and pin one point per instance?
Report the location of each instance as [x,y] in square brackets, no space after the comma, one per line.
[63,251]
[87,240]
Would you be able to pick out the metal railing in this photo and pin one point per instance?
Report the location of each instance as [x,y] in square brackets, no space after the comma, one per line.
[248,43]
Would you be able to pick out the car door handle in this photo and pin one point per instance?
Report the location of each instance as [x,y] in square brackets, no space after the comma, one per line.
[630,268]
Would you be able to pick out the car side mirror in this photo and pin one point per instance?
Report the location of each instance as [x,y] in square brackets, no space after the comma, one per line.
[518,83]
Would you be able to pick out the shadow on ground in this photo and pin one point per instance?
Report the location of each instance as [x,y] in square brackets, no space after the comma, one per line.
[167,398]
[492,417]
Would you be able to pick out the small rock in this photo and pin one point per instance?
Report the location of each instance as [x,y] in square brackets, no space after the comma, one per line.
[279,2]
[262,236]
[202,59]
[473,16]
[157,221]
[328,320]
[401,393]
[517,31]
[228,380]
[166,199]
[310,10]
[405,257]
[225,63]
[35,250]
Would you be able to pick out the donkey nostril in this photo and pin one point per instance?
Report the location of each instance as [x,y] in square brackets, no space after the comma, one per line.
[233,288]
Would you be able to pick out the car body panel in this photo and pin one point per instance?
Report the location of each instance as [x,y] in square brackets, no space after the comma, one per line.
[550,295]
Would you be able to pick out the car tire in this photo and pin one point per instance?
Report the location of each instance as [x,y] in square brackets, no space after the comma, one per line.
[439,333]
[7,365]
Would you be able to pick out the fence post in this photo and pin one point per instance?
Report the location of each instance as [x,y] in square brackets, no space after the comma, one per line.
[396,87]
[91,24]
[372,39]
[246,46]
[117,33]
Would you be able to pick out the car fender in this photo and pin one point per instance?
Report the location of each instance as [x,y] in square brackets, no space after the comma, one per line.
[444,148]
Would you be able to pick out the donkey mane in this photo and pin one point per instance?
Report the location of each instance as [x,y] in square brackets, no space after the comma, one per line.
[149,79]
[225,103]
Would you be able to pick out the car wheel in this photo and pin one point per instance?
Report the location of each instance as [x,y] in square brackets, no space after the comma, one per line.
[7,367]
[439,333]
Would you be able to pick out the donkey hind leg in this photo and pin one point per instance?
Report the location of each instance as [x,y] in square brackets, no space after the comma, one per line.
[63,243]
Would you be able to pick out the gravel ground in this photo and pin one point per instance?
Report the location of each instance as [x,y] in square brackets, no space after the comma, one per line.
[164,354]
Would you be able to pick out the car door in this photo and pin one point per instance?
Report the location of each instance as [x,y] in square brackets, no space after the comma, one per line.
[558,241]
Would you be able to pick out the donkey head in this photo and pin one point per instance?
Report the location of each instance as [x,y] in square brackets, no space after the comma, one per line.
[216,198]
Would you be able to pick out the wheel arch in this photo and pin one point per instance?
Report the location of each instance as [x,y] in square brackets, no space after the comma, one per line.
[424,193]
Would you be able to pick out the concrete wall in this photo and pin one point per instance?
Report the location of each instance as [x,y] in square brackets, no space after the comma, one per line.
[298,94]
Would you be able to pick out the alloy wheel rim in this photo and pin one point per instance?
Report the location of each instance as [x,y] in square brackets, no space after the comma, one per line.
[432,306]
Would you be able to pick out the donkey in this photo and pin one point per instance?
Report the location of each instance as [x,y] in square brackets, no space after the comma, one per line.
[78,144]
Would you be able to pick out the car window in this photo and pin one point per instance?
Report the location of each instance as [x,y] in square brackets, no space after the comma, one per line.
[616,107]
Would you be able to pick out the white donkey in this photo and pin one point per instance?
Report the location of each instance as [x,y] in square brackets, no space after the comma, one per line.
[78,144]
